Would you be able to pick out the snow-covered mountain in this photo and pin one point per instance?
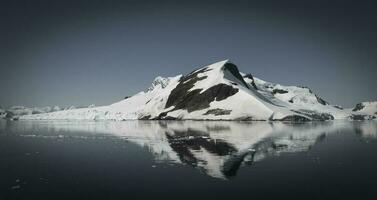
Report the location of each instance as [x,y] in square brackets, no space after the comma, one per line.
[216,92]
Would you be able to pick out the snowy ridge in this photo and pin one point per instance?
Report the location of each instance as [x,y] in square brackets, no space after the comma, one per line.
[217,92]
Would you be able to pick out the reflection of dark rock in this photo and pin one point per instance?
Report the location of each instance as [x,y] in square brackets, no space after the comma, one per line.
[217,147]
[185,142]
[217,112]
[218,128]
[232,165]
[321,138]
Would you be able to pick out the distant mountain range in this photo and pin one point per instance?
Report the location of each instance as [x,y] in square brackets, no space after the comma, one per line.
[215,92]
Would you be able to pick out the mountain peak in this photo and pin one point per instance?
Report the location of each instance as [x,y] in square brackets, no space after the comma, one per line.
[159,81]
[218,91]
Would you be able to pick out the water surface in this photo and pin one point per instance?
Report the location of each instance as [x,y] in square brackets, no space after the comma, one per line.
[187,160]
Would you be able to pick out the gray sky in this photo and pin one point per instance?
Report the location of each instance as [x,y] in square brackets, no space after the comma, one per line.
[84,52]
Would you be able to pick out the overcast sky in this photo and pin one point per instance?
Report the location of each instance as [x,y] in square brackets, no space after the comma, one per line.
[97,52]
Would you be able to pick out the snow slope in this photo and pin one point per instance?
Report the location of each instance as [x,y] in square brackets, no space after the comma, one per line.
[215,92]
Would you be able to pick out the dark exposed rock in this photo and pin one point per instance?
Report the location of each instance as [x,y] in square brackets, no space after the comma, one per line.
[321,101]
[182,98]
[290,101]
[294,118]
[358,107]
[146,117]
[9,115]
[126,97]
[170,118]
[194,100]
[280,91]
[362,117]
[160,116]
[36,112]
[181,91]
[338,107]
[246,118]
[217,112]
[232,68]
[357,117]
[315,115]
[249,76]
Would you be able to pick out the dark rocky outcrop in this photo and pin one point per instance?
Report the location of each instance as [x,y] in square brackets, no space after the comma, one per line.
[338,107]
[249,76]
[362,117]
[294,118]
[280,91]
[218,111]
[232,68]
[182,98]
[194,100]
[146,117]
[315,115]
[321,101]
[358,107]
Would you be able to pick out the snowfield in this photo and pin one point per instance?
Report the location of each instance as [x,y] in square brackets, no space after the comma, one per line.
[216,92]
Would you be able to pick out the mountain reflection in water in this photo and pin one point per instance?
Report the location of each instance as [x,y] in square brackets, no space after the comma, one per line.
[218,148]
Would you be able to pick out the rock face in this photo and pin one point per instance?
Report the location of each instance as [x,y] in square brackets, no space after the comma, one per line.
[218,92]
[182,97]
[194,100]
[366,108]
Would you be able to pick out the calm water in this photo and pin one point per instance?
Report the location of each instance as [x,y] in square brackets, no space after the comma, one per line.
[187,160]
